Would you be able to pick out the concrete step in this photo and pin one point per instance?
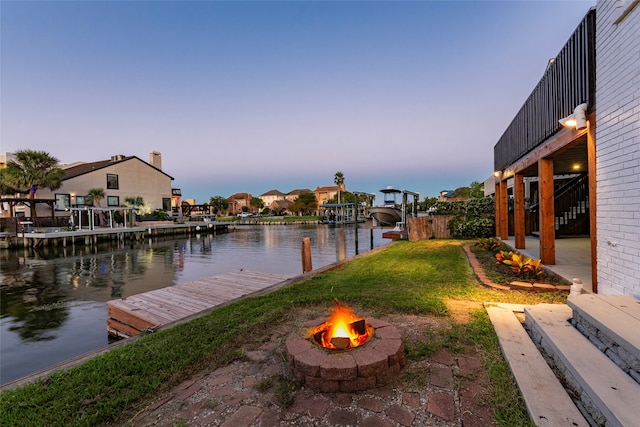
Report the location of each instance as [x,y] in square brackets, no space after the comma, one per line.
[611,323]
[546,399]
[607,394]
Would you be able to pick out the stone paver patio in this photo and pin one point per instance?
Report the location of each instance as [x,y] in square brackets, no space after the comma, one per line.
[443,390]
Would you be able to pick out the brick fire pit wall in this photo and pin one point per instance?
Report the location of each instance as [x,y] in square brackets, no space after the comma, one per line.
[377,362]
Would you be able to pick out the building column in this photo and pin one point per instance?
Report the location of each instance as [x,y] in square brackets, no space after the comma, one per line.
[547,212]
[503,232]
[518,214]
[591,153]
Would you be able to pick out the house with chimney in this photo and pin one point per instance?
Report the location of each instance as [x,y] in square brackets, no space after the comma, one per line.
[324,194]
[120,177]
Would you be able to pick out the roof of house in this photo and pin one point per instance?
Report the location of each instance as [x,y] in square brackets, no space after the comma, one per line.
[282,204]
[299,191]
[241,196]
[328,188]
[77,169]
[272,193]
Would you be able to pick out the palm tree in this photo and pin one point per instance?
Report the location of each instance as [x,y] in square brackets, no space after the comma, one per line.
[29,170]
[338,179]
[95,195]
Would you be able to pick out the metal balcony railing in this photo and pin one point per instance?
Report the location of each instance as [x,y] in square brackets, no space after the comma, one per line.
[568,81]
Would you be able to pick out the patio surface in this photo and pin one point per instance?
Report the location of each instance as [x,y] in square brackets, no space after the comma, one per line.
[573,257]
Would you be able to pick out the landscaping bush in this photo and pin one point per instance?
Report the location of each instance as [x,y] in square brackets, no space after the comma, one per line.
[482,227]
[474,218]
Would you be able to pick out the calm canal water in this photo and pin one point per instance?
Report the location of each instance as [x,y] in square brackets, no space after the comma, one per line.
[53,302]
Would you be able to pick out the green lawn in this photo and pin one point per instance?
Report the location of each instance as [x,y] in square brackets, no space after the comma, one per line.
[406,277]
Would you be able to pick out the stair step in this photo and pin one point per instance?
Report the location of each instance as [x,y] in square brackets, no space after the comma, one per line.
[607,387]
[616,317]
[547,401]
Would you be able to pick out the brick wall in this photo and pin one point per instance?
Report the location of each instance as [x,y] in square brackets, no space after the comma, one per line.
[618,146]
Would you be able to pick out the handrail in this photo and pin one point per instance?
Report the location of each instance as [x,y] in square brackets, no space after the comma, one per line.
[571,202]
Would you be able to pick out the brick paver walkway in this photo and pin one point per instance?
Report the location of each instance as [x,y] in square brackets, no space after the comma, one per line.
[443,390]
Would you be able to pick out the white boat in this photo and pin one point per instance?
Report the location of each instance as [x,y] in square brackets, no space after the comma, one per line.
[389,213]
[386,215]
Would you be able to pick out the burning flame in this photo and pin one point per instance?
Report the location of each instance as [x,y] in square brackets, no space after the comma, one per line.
[342,330]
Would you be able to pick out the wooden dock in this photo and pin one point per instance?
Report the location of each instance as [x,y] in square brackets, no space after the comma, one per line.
[150,310]
[57,236]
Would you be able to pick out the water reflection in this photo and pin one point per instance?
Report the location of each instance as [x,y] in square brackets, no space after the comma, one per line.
[53,300]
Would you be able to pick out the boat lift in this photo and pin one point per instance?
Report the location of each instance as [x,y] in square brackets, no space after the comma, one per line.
[371,198]
[416,199]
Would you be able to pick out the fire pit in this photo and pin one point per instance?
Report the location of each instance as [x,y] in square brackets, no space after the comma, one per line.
[345,353]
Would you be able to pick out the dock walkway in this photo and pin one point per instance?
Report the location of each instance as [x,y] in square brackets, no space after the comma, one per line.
[56,236]
[150,310]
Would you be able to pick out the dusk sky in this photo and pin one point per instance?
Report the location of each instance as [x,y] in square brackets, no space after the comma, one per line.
[243,96]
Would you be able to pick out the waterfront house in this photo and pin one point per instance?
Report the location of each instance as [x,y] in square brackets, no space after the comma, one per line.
[595,79]
[294,194]
[280,206]
[324,194]
[239,200]
[449,196]
[120,177]
[271,196]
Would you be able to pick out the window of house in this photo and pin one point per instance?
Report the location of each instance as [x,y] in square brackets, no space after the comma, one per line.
[112,181]
[166,203]
[63,201]
[80,201]
[113,201]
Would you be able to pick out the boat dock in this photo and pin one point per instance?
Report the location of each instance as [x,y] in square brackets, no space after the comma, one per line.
[59,236]
[148,311]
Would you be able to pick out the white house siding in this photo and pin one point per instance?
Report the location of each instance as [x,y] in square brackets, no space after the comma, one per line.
[618,146]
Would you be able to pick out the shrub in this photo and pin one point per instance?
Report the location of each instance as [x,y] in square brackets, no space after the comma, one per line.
[473,218]
[520,265]
[471,229]
[160,215]
[488,243]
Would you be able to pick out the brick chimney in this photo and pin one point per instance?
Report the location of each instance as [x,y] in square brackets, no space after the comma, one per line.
[155,159]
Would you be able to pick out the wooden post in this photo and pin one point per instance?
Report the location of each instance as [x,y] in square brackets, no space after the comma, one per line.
[340,245]
[355,225]
[518,214]
[547,212]
[306,255]
[504,211]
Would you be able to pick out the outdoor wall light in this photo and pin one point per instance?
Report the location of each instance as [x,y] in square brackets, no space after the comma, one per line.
[576,120]
[497,174]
